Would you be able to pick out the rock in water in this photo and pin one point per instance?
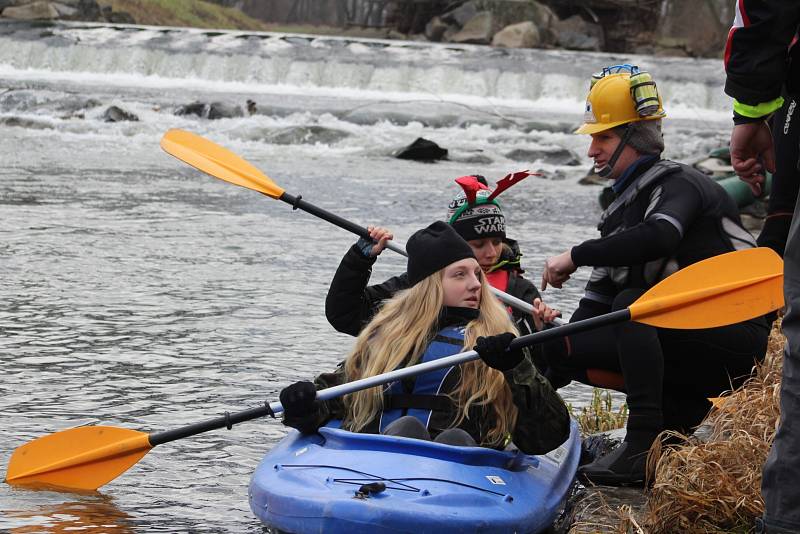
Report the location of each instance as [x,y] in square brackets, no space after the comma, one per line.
[310,135]
[422,150]
[221,110]
[116,114]
[215,110]
[195,108]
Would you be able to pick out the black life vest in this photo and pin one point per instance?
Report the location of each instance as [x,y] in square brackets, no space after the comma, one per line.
[717,229]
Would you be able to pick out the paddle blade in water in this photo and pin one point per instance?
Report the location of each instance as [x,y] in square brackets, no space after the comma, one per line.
[217,161]
[82,458]
[721,290]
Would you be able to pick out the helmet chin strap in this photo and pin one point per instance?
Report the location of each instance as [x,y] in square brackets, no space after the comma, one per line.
[605,170]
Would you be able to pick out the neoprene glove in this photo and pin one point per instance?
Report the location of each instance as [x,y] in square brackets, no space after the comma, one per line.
[494,352]
[300,407]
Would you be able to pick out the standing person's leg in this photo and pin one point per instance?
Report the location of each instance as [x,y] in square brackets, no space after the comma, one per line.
[782,468]
[786,180]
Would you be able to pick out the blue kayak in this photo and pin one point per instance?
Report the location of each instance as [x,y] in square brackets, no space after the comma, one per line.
[338,481]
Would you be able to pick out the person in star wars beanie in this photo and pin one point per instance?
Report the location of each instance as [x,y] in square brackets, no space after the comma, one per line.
[474,213]
[477,217]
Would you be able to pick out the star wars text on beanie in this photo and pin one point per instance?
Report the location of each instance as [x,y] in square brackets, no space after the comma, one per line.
[474,213]
[434,248]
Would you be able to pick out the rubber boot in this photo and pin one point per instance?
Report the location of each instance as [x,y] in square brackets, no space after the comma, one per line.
[625,465]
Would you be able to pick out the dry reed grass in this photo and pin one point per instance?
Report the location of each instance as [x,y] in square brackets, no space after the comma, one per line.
[596,515]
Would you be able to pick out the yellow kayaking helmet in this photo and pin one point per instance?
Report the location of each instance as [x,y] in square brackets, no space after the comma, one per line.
[619,95]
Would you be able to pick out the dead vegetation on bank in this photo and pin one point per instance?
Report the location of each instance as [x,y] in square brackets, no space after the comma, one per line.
[706,485]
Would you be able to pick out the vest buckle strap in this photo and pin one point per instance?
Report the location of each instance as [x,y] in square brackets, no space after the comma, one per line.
[411,401]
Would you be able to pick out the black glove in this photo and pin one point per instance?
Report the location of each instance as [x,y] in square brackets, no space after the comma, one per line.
[494,352]
[300,407]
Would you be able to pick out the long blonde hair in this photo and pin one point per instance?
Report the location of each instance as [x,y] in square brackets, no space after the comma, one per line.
[398,336]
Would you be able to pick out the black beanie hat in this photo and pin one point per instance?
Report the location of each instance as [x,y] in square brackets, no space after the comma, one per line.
[434,248]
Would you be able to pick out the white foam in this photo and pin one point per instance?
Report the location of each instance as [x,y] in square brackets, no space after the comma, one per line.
[259,63]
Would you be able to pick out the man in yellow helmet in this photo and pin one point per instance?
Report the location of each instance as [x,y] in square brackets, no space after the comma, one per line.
[665,216]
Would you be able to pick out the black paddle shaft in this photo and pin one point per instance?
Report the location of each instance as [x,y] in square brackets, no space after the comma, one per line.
[226,421]
[619,316]
[297,202]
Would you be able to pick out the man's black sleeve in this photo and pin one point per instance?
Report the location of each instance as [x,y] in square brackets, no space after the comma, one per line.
[674,206]
[756,54]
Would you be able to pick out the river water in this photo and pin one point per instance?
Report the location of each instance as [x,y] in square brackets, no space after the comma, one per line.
[140,293]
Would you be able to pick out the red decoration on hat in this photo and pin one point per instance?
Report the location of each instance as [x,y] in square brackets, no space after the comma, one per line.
[509,180]
[471,186]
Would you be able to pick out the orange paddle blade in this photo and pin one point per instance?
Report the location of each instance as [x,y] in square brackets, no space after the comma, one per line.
[82,458]
[719,291]
[217,161]
[718,402]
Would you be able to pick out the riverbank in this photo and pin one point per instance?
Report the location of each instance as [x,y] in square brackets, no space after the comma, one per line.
[676,28]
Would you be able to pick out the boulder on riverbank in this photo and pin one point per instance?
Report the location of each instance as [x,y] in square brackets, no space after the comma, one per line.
[506,23]
[478,30]
[520,35]
[671,27]
[667,27]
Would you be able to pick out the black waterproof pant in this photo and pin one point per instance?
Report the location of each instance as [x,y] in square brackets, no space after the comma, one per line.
[782,470]
[786,180]
[668,374]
